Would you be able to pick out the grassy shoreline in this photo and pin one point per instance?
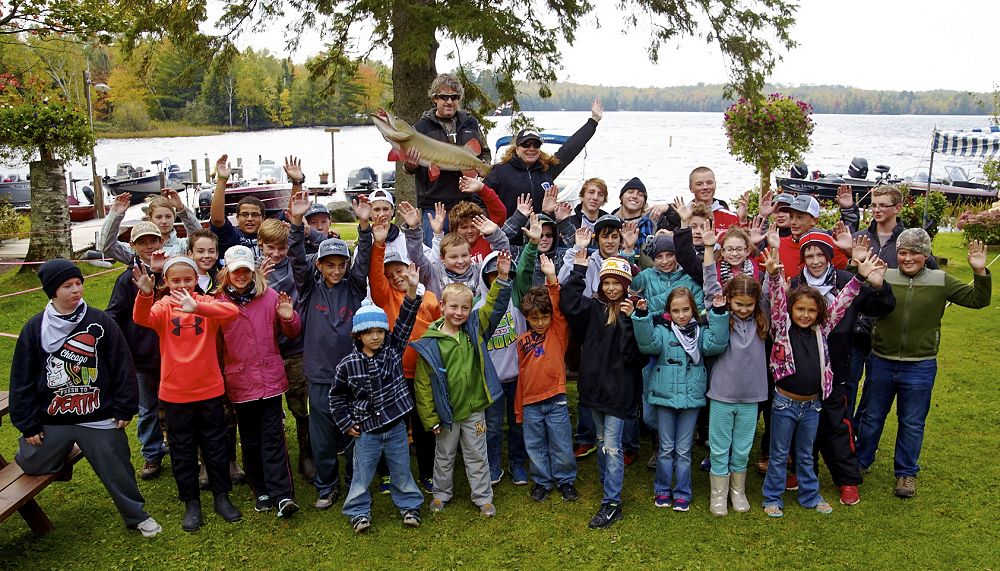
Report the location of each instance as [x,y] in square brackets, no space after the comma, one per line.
[950,524]
[164,130]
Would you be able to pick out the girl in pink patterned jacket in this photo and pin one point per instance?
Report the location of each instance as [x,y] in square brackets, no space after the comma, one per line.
[800,361]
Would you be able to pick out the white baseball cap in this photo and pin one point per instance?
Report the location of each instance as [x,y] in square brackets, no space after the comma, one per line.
[240,257]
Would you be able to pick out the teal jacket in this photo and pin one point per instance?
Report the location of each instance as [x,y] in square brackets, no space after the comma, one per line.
[912,332]
[675,381]
[655,286]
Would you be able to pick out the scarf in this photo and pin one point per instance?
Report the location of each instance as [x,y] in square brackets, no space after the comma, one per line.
[241,298]
[56,327]
[472,278]
[688,336]
[826,283]
[726,270]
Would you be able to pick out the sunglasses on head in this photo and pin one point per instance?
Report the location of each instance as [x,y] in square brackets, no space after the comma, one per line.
[447,96]
[531,144]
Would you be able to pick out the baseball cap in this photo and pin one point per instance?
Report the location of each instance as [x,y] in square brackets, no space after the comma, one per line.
[783,199]
[240,257]
[607,220]
[526,135]
[393,257]
[317,208]
[333,247]
[144,228]
[806,204]
[381,194]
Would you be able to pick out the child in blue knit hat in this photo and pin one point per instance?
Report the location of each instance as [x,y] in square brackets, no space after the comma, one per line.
[370,401]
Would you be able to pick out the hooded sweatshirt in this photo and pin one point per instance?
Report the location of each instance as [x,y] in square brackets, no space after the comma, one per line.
[434,275]
[282,280]
[108,242]
[502,345]
[593,274]
[655,286]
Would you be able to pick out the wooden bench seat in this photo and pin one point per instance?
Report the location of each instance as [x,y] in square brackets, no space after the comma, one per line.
[18,491]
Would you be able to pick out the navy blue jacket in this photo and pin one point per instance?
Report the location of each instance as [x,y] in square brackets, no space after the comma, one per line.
[143,342]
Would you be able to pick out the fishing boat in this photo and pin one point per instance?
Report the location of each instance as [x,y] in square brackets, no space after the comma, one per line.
[142,183]
[16,189]
[270,186]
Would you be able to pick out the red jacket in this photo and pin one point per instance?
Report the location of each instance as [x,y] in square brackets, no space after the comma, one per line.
[189,363]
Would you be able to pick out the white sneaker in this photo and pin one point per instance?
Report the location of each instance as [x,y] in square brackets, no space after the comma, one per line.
[149,527]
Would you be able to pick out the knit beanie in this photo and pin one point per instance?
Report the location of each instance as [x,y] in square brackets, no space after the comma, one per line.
[915,240]
[821,240]
[54,273]
[617,268]
[662,244]
[636,184]
[369,316]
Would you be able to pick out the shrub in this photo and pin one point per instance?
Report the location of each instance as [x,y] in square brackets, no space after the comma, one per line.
[768,133]
[984,225]
[13,226]
[912,213]
[130,116]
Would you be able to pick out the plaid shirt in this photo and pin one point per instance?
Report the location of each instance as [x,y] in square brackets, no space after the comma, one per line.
[370,391]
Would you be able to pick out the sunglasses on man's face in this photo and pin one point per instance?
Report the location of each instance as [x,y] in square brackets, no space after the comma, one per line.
[531,144]
[447,96]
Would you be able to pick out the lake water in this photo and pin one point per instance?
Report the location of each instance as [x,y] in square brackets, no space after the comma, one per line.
[659,148]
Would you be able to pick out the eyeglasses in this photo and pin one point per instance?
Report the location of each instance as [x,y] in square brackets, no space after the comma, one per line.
[249,215]
[877,206]
[547,235]
[733,249]
[447,96]
[531,144]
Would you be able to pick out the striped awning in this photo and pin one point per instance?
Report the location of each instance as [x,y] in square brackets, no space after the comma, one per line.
[975,143]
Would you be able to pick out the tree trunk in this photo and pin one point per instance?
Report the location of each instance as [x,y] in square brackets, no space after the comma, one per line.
[414,53]
[50,235]
[765,179]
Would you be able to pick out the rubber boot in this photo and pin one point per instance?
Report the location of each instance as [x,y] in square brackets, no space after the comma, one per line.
[306,465]
[192,516]
[225,508]
[737,491]
[236,473]
[720,485]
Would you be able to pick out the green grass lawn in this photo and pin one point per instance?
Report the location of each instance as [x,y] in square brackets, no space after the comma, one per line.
[952,522]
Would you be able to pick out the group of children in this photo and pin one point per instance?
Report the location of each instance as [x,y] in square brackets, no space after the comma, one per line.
[441,343]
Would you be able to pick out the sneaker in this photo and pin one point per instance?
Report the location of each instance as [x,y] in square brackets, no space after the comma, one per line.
[326,501]
[681,505]
[287,507]
[662,501]
[264,503]
[488,510]
[569,492]
[607,515]
[411,518]
[762,463]
[706,464]
[383,487]
[584,450]
[428,485]
[360,523]
[906,487]
[791,482]
[539,492]
[496,479]
[651,463]
[631,456]
[437,506]
[824,507]
[151,469]
[519,476]
[849,495]
[148,527]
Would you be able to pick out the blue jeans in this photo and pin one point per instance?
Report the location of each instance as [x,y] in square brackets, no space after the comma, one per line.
[585,431]
[548,438]
[368,448]
[675,428]
[911,384]
[147,426]
[425,218]
[798,420]
[494,432]
[610,456]
[327,441]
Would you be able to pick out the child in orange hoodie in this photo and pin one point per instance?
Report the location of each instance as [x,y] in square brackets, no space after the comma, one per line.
[540,401]
[388,285]
[191,384]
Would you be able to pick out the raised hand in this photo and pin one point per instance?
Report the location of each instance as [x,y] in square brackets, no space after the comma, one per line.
[719,300]
[156,261]
[142,280]
[708,237]
[596,110]
[547,266]
[580,259]
[741,206]
[756,230]
[583,237]
[627,307]
[868,264]
[299,205]
[266,266]
[534,229]
[765,206]
[641,304]
[293,168]
[683,210]
[412,275]
[173,198]
[503,263]
[182,300]
[380,231]
[409,214]
[285,308]
[440,215]
[977,257]
[773,238]
[656,211]
[121,203]
[362,208]
[524,204]
[222,169]
[563,211]
[845,198]
[550,199]
[470,185]
[772,261]
[630,235]
[842,237]
[486,226]
[861,247]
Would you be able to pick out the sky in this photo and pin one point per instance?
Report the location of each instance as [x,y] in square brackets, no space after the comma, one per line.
[871,44]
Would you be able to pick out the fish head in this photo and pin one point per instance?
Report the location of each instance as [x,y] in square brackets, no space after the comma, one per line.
[392,128]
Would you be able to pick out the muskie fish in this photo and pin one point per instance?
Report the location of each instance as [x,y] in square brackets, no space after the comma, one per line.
[435,155]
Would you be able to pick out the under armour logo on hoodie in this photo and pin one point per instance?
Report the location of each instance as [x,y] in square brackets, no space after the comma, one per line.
[198,330]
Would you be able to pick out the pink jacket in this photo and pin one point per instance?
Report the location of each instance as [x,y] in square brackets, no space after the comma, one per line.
[253,368]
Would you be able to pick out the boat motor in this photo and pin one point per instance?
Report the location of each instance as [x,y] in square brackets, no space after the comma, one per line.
[799,170]
[858,168]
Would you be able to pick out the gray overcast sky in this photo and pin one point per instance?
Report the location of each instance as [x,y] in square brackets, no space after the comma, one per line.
[873,44]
